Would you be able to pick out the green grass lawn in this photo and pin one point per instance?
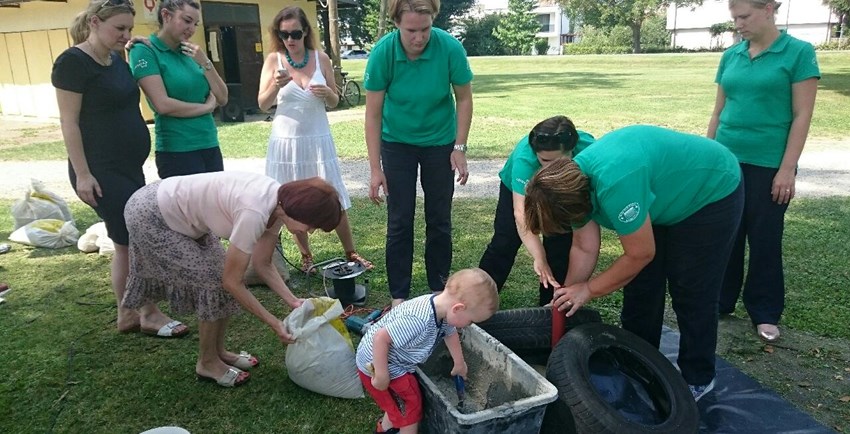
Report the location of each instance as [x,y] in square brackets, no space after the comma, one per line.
[65,369]
[599,93]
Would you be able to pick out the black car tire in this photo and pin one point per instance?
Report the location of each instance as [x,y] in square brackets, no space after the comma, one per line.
[569,371]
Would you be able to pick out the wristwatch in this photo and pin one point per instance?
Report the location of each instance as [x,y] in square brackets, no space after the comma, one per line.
[460,147]
[208,66]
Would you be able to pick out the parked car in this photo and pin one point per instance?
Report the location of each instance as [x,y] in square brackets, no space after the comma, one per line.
[355,54]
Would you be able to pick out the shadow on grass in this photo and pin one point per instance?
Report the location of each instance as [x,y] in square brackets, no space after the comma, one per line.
[838,81]
[507,83]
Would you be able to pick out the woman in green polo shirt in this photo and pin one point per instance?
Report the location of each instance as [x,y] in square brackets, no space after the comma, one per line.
[413,125]
[766,87]
[183,89]
[549,140]
[675,201]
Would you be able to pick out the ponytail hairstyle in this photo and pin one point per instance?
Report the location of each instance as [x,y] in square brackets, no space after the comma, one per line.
[103,10]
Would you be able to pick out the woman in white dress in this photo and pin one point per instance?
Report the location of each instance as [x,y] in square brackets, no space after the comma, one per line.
[301,145]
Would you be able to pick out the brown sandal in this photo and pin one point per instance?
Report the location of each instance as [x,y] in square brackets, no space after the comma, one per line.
[353,256]
[307,263]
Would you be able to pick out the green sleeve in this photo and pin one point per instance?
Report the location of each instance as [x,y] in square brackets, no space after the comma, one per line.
[719,76]
[459,71]
[626,201]
[143,61]
[806,65]
[378,68]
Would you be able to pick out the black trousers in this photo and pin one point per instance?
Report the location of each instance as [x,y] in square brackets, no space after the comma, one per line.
[498,259]
[690,257]
[762,227]
[401,162]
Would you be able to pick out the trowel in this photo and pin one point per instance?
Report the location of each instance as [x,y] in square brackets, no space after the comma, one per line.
[461,391]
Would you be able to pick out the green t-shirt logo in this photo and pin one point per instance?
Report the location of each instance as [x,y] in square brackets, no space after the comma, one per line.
[629,213]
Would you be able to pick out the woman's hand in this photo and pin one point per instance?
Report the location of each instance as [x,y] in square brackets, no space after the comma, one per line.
[571,298]
[320,90]
[282,77]
[458,159]
[377,182]
[88,189]
[282,333]
[137,39]
[211,103]
[195,52]
[783,190]
[544,274]
[295,303]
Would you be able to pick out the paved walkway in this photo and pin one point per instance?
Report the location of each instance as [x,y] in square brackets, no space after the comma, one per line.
[822,173]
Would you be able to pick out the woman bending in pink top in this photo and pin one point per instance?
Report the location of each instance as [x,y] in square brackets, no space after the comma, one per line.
[175,228]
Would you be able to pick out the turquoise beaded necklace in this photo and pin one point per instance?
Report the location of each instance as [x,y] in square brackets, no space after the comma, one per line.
[300,64]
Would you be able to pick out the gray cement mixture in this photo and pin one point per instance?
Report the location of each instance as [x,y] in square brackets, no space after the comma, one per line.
[483,390]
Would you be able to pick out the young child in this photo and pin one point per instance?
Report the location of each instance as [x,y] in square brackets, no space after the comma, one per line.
[406,336]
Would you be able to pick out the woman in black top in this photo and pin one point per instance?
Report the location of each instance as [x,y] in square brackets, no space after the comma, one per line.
[106,138]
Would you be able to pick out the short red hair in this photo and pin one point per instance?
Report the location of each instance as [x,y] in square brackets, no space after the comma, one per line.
[311,201]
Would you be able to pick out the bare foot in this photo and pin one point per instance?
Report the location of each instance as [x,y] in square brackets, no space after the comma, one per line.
[397,301]
[128,320]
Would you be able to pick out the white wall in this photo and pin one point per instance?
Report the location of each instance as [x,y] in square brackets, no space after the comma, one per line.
[808,20]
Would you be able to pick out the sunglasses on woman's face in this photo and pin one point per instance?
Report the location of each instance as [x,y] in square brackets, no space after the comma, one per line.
[116,3]
[295,35]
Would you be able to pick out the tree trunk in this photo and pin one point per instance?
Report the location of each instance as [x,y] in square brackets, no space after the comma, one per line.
[382,19]
[333,31]
[635,37]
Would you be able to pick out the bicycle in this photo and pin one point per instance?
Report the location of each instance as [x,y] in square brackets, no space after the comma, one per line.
[349,91]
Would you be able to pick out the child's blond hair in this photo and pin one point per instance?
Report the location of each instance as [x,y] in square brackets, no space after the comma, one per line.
[474,288]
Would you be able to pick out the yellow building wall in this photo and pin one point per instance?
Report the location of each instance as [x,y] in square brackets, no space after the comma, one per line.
[35,34]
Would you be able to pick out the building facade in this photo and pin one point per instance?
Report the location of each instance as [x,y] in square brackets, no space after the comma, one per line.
[554,23]
[34,33]
[808,20]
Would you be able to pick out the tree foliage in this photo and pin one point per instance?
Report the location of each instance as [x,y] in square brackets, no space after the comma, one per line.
[361,22]
[518,27]
[477,38]
[451,11]
[842,9]
[630,13]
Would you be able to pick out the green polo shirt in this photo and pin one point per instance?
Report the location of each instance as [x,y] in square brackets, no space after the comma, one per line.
[522,164]
[644,169]
[419,108]
[184,80]
[756,118]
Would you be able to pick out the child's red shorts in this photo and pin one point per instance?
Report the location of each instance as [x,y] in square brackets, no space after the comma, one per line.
[402,400]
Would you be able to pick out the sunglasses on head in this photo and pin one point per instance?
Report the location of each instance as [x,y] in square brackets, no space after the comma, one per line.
[295,35]
[115,3]
[562,137]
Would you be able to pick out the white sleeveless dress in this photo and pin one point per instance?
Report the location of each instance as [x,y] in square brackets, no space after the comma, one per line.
[301,145]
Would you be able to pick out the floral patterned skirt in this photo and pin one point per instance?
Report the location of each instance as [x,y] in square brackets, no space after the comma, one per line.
[167,265]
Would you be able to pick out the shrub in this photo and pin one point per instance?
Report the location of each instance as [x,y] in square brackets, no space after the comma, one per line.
[541,45]
[595,49]
[477,36]
[834,45]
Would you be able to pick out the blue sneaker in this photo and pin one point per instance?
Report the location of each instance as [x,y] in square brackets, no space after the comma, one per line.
[700,391]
